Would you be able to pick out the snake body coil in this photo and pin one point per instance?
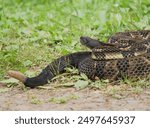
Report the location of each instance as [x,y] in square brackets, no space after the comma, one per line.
[126,54]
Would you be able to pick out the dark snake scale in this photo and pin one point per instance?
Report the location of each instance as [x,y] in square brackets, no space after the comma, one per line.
[125,55]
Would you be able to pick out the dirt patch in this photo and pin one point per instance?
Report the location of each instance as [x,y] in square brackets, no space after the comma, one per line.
[70,99]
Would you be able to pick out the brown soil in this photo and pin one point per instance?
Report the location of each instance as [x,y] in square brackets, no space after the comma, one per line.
[71,99]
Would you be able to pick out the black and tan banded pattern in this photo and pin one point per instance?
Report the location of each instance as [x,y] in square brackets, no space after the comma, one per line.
[137,35]
[121,50]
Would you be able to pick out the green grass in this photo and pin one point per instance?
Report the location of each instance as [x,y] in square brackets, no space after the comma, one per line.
[33,32]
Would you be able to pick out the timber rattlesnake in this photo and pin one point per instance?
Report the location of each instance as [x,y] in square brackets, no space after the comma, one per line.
[126,54]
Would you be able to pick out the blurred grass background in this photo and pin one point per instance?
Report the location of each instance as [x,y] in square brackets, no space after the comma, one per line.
[34,32]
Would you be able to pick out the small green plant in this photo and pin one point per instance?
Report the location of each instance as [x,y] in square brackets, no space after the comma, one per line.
[33,99]
[63,100]
[58,100]
[36,101]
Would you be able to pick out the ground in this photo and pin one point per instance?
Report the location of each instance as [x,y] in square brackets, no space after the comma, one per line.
[33,33]
[71,99]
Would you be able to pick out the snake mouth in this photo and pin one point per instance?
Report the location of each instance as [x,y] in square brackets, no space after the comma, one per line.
[17,75]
